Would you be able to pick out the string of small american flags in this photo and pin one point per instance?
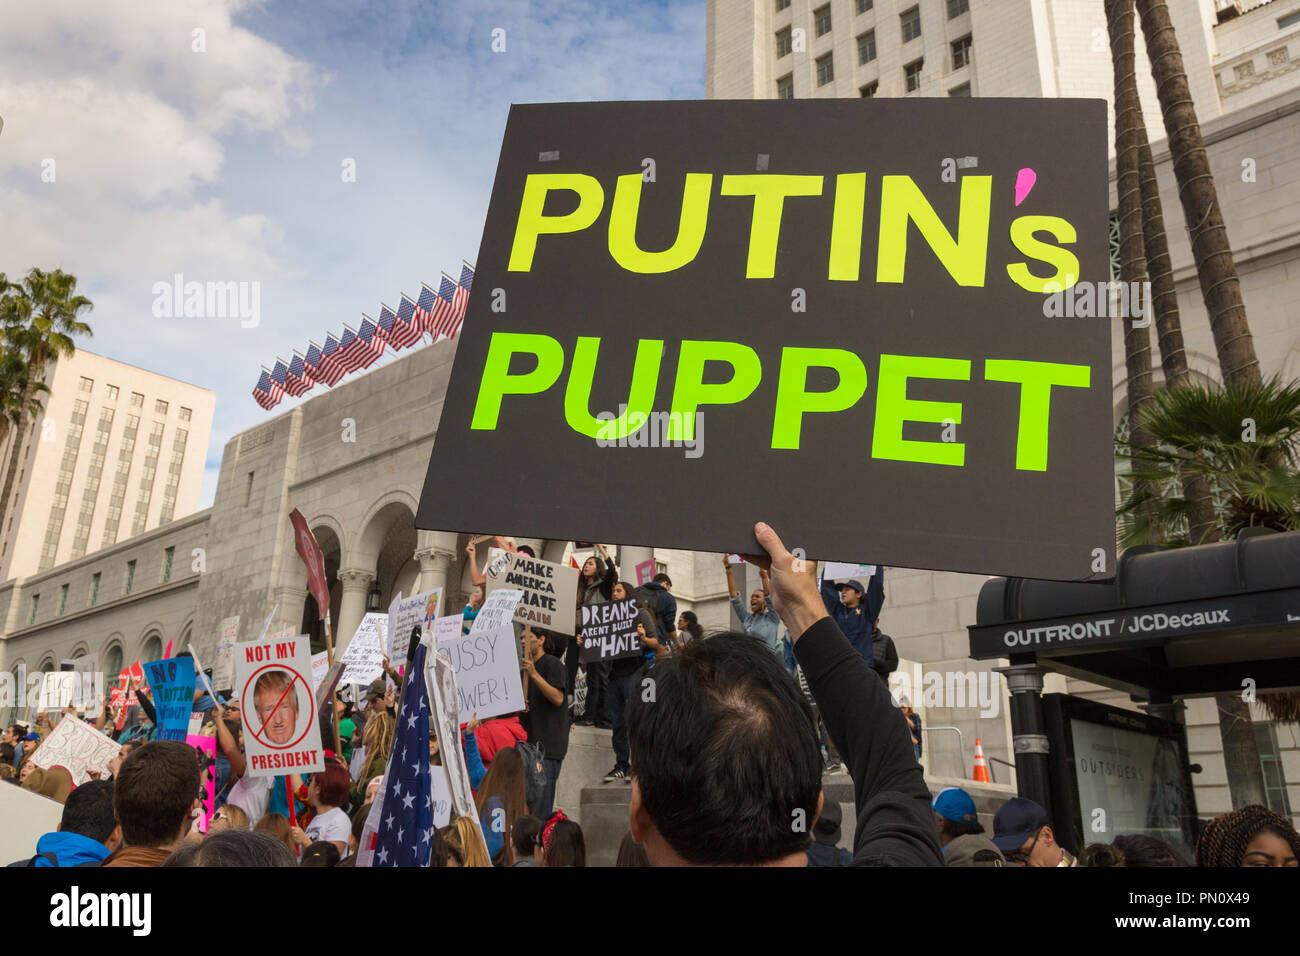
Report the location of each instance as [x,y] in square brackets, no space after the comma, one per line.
[438,314]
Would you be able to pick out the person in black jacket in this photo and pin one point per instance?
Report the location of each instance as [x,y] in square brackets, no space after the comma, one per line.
[884,658]
[726,763]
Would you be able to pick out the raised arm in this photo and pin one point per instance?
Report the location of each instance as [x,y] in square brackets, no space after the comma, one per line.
[895,822]
[476,577]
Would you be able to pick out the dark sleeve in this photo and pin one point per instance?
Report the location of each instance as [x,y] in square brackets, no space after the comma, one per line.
[874,599]
[891,656]
[895,822]
[669,614]
[830,596]
[147,706]
[611,578]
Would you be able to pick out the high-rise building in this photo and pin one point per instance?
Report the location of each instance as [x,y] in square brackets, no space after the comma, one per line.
[1242,60]
[1235,53]
[118,451]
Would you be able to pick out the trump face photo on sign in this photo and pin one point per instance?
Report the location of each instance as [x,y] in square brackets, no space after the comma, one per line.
[276,704]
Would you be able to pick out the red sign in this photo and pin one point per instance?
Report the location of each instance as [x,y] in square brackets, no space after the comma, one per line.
[309,551]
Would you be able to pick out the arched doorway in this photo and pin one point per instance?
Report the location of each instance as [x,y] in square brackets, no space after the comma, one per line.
[332,550]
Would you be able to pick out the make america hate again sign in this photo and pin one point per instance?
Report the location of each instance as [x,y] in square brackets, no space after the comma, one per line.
[840,294]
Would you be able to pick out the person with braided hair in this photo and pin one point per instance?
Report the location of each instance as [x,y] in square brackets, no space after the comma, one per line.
[1249,836]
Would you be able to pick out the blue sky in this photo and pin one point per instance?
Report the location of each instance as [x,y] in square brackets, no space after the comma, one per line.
[224,163]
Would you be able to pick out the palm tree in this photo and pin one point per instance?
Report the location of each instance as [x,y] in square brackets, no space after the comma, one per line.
[1210,247]
[39,319]
[1132,261]
[1196,432]
[1221,292]
[13,388]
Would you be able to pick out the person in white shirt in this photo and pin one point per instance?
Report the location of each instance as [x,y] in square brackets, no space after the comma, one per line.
[327,793]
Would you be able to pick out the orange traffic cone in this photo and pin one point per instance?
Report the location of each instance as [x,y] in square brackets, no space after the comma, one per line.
[981,773]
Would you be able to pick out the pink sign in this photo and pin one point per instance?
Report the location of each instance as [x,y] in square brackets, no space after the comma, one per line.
[205,751]
[645,572]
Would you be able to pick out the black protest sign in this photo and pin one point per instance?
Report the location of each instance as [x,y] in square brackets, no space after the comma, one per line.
[845,313]
[609,631]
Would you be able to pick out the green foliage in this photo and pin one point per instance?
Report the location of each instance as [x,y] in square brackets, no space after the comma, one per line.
[1242,439]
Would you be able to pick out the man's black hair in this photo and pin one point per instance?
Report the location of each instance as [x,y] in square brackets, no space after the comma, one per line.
[88,811]
[956,829]
[725,753]
[320,853]
[1141,849]
[662,578]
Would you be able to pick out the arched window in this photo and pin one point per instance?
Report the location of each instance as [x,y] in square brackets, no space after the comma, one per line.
[152,648]
[112,663]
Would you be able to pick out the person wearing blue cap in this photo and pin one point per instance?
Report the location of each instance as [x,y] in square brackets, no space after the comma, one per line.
[960,832]
[1023,832]
[856,609]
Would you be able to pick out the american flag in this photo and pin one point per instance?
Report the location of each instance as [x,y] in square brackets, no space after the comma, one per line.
[297,382]
[461,298]
[312,360]
[351,349]
[280,375]
[267,393]
[372,344]
[444,309]
[406,330]
[402,817]
[384,327]
[424,307]
[330,369]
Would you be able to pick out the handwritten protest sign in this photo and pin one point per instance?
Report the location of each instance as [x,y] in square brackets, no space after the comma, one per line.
[223,675]
[77,747]
[409,614]
[837,571]
[320,665]
[90,682]
[446,628]
[498,610]
[120,698]
[487,671]
[363,661]
[281,733]
[609,631]
[58,688]
[549,591]
[171,681]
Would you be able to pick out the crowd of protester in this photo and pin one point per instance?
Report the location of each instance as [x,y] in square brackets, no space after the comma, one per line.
[725,759]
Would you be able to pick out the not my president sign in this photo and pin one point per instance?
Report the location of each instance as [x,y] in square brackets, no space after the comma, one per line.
[609,631]
[804,304]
